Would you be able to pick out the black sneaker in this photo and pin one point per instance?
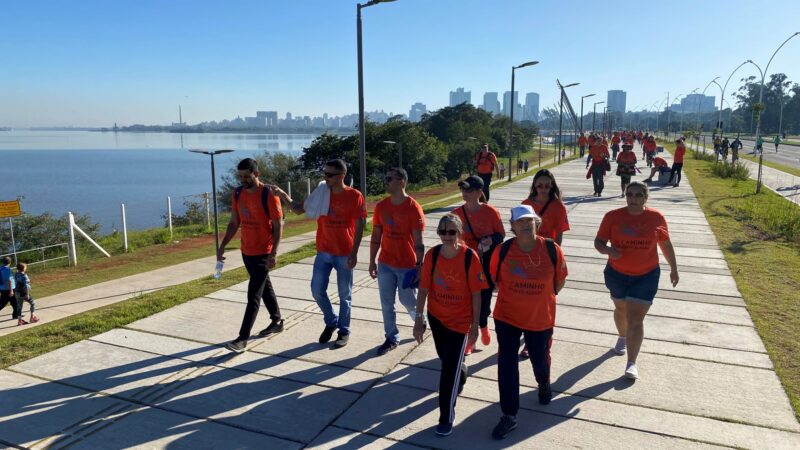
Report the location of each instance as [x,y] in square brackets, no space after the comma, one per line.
[341,340]
[326,335]
[386,347]
[507,425]
[274,328]
[444,429]
[463,378]
[237,346]
[545,394]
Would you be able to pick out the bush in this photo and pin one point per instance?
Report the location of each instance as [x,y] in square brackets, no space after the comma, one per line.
[195,215]
[736,170]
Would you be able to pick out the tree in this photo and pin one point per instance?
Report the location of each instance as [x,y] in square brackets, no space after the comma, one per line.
[274,168]
[40,230]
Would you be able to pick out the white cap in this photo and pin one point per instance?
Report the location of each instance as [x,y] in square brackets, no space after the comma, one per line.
[522,212]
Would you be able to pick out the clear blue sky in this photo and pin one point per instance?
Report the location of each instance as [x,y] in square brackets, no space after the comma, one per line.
[92,63]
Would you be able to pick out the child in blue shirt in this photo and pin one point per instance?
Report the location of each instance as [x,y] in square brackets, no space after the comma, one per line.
[23,292]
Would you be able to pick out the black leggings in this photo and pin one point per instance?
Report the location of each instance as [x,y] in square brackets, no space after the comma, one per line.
[538,343]
[676,169]
[259,285]
[487,180]
[486,294]
[450,347]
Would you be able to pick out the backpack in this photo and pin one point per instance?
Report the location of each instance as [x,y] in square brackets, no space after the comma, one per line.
[467,259]
[479,158]
[19,284]
[265,191]
[551,250]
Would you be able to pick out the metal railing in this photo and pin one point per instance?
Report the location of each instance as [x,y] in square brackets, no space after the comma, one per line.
[44,259]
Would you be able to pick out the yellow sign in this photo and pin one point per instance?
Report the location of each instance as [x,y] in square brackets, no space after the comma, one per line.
[10,209]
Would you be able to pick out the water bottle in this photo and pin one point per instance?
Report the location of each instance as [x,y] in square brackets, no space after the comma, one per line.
[218,270]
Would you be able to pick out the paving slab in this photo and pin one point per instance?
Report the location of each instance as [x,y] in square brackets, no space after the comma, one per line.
[409,415]
[340,438]
[275,406]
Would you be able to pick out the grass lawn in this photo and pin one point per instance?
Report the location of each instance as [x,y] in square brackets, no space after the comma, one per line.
[760,237]
[32,342]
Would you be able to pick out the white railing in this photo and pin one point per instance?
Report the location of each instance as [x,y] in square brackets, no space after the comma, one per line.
[44,260]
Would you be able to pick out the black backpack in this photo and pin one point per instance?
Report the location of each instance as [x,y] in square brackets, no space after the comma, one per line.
[467,259]
[551,250]
[264,197]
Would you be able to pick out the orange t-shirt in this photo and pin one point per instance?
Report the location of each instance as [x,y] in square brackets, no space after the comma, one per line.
[615,140]
[256,228]
[450,289]
[679,152]
[526,296]
[336,231]
[485,162]
[397,223]
[598,152]
[649,146]
[626,158]
[485,222]
[582,141]
[636,237]
[554,220]
[659,162]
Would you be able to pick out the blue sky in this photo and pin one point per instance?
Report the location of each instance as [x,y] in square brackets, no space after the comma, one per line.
[92,63]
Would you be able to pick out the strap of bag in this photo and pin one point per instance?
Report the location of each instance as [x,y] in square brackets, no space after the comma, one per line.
[466,218]
[467,259]
[546,205]
[265,191]
[503,252]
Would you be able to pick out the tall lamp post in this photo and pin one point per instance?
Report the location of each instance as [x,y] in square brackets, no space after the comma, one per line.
[760,98]
[399,150]
[594,114]
[585,96]
[722,96]
[214,190]
[561,116]
[362,145]
[702,95]
[513,105]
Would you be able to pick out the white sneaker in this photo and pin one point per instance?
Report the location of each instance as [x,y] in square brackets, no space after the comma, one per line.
[631,371]
[620,347]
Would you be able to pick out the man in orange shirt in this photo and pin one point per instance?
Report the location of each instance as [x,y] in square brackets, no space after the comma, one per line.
[397,226]
[615,140]
[582,141]
[258,211]
[598,155]
[338,238]
[485,165]
[677,165]
[659,164]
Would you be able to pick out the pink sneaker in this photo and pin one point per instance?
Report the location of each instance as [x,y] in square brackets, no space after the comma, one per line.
[468,350]
[34,319]
[21,322]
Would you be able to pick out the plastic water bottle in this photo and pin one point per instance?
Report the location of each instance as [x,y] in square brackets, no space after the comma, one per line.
[218,270]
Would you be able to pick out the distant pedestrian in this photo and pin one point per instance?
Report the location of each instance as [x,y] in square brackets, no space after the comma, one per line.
[660,165]
[529,272]
[338,239]
[725,146]
[22,290]
[519,166]
[615,140]
[485,166]
[526,165]
[257,211]
[397,226]
[451,283]
[598,159]
[777,142]
[677,163]
[502,171]
[7,291]
[582,141]
[736,145]
[632,272]
[626,166]
[759,145]
[483,231]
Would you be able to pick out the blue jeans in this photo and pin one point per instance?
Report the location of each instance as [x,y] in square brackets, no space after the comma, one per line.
[390,281]
[323,264]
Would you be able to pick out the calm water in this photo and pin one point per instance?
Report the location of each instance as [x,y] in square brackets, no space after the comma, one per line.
[92,172]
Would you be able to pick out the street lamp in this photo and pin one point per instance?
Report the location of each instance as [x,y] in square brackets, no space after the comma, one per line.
[722,96]
[561,117]
[214,190]
[702,95]
[400,151]
[760,98]
[513,105]
[594,114]
[585,96]
[362,145]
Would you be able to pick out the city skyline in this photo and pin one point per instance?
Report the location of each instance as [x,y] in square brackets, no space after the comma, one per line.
[93,64]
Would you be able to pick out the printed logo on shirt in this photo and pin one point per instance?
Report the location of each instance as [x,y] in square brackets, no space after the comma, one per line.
[245,212]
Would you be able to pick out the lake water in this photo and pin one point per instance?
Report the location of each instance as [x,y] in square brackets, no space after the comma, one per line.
[93,172]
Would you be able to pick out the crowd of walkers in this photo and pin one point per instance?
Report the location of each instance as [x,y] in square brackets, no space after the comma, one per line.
[449,288]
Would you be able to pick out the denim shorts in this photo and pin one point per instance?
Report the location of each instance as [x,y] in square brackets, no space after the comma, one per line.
[638,288]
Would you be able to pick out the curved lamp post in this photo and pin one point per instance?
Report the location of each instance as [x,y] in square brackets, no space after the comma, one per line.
[561,116]
[722,96]
[594,113]
[513,105]
[698,102]
[583,97]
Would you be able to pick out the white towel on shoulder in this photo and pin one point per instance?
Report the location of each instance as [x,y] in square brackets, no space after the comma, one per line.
[318,202]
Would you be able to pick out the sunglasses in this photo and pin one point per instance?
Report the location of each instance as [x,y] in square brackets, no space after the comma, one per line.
[389,179]
[634,194]
[543,186]
[331,175]
[467,189]
[446,232]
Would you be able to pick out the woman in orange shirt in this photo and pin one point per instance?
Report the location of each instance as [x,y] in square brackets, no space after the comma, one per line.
[483,231]
[545,199]
[529,271]
[633,270]
[626,166]
[452,279]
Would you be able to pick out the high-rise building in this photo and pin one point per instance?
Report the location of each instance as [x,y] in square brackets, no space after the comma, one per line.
[417,111]
[689,104]
[460,96]
[531,111]
[270,117]
[507,105]
[616,101]
[490,103]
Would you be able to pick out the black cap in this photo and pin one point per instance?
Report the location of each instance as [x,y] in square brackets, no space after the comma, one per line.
[471,182]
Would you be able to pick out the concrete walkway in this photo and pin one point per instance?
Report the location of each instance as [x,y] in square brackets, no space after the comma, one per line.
[165,381]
